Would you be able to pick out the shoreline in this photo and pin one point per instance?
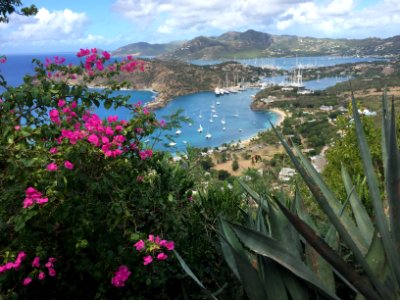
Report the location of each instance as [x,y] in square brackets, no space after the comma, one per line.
[281,117]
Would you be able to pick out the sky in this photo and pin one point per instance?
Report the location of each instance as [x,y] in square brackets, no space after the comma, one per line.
[67,26]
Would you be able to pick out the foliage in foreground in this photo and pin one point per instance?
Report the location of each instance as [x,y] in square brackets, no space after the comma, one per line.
[308,261]
[86,209]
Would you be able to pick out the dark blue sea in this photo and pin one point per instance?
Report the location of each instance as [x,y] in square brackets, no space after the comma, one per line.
[226,118]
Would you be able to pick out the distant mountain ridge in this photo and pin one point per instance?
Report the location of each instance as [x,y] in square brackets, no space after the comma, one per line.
[146,49]
[252,44]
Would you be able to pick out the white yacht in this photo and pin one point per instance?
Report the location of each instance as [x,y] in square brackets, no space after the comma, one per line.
[178,132]
[200,129]
[172,144]
[208,135]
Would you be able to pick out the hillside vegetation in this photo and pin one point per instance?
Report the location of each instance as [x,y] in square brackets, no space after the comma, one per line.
[252,44]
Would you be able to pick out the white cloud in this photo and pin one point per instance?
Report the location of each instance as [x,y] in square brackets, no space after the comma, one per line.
[195,16]
[341,18]
[45,26]
[337,18]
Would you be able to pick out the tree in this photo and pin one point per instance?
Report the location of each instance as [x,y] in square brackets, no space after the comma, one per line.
[7,7]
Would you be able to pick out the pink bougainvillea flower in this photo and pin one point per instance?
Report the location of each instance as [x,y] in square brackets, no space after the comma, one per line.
[41,275]
[69,165]
[52,167]
[42,200]
[106,55]
[112,119]
[162,256]
[120,276]
[53,150]
[28,202]
[61,103]
[36,262]
[93,139]
[17,127]
[99,65]
[147,260]
[27,281]
[52,272]
[54,116]
[170,245]
[33,196]
[139,245]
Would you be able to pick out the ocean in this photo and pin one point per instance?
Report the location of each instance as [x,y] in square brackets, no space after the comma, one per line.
[226,118]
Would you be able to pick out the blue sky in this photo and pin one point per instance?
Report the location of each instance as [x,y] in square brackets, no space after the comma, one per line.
[63,26]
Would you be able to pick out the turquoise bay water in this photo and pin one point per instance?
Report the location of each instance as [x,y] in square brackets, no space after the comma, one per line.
[234,109]
[288,63]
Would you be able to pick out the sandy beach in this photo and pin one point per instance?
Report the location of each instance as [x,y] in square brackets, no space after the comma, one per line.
[281,117]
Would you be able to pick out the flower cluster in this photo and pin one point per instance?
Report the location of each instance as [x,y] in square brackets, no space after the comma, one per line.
[53,166]
[40,273]
[120,276]
[93,60]
[107,135]
[3,59]
[153,247]
[13,265]
[56,60]
[33,196]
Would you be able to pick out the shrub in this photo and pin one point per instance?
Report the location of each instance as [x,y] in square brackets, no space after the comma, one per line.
[235,165]
[86,210]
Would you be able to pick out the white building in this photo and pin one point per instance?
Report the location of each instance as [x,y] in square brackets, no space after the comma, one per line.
[286,174]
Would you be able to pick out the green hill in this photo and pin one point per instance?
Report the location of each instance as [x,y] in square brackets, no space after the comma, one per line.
[252,44]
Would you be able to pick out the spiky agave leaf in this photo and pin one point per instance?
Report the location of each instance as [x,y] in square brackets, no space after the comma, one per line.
[380,217]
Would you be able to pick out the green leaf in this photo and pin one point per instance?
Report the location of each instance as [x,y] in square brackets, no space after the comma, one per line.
[249,277]
[334,203]
[393,180]
[283,231]
[189,272]
[259,200]
[359,282]
[333,217]
[363,220]
[107,104]
[380,217]
[273,249]
[272,277]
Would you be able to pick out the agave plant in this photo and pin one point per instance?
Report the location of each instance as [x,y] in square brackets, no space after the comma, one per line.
[268,259]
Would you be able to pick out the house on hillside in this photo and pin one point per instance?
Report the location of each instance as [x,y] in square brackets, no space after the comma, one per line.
[286,174]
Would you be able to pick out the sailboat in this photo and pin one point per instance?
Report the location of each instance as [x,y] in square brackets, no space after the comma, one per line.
[236,114]
[200,115]
[172,144]
[223,121]
[211,118]
[208,135]
[200,129]
[178,132]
